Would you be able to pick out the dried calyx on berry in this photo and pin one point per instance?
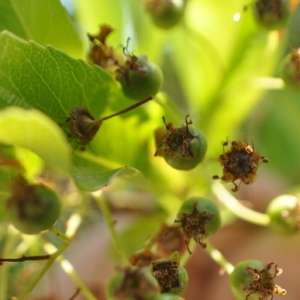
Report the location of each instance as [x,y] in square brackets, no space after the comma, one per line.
[133,283]
[183,147]
[165,13]
[199,218]
[239,163]
[100,53]
[32,207]
[82,126]
[172,277]
[253,280]
[138,77]
[271,14]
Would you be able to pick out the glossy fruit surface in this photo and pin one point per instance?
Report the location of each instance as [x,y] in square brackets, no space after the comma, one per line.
[33,208]
[290,70]
[171,277]
[271,14]
[199,218]
[183,147]
[139,78]
[165,13]
[253,280]
[284,213]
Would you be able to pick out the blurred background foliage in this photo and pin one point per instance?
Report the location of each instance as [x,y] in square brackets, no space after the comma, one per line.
[220,67]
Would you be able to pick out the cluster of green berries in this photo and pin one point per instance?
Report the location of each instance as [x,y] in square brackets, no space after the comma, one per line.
[34,207]
[165,278]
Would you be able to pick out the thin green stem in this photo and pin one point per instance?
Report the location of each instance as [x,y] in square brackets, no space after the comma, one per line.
[237,208]
[187,255]
[9,245]
[69,270]
[269,83]
[131,107]
[111,226]
[52,259]
[60,235]
[73,224]
[218,257]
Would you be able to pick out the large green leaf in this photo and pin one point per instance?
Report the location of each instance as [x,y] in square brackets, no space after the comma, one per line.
[45,22]
[37,132]
[91,173]
[50,80]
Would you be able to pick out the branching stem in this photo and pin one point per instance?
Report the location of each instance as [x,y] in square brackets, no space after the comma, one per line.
[218,257]
[239,210]
[111,227]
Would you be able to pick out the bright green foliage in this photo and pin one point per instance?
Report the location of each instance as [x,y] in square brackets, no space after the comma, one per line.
[90,175]
[45,22]
[50,80]
[33,130]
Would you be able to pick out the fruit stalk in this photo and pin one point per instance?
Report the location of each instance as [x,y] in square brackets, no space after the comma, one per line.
[239,210]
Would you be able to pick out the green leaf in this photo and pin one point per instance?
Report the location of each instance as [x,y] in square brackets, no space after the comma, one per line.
[51,81]
[37,132]
[45,22]
[90,174]
[141,229]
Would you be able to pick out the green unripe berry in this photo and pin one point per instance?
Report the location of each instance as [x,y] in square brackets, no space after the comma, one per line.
[183,147]
[171,277]
[290,70]
[32,208]
[284,213]
[139,78]
[133,283]
[199,218]
[252,280]
[165,13]
[271,14]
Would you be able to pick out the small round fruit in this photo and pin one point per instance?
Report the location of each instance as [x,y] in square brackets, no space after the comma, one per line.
[183,147]
[32,208]
[171,277]
[253,280]
[139,78]
[271,14]
[133,283]
[166,13]
[284,213]
[290,70]
[199,218]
